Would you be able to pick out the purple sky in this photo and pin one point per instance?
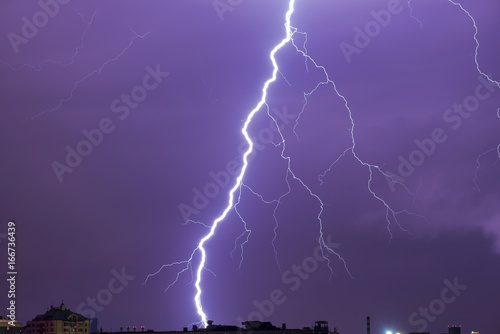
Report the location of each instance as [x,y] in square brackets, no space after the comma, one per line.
[162,89]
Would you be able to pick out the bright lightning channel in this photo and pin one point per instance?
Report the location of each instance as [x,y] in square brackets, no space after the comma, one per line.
[239,180]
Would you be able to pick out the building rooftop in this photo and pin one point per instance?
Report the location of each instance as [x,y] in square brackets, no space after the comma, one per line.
[60,313]
[320,327]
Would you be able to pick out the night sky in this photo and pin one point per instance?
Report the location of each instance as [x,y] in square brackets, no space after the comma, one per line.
[120,131]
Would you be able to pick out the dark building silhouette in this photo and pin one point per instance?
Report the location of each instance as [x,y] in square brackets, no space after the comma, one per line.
[58,320]
[249,327]
[6,326]
[454,329]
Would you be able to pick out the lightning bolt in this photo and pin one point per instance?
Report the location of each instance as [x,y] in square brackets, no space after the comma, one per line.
[476,31]
[246,233]
[413,16]
[391,214]
[476,51]
[476,176]
[76,84]
[239,183]
[235,193]
[239,180]
[276,222]
[190,221]
[89,23]
[187,266]
[38,67]
[209,89]
[290,174]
